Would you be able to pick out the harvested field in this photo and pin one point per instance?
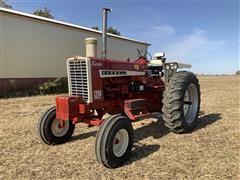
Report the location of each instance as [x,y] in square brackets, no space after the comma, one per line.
[211,151]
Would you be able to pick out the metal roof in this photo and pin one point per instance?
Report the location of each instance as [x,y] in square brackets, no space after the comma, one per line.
[65,24]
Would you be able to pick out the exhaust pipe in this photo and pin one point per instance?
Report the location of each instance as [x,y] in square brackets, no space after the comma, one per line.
[104,31]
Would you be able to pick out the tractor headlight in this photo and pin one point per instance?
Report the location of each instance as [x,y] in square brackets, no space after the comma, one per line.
[167,66]
[175,66]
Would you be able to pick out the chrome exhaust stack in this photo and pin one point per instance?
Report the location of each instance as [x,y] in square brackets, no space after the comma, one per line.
[104,31]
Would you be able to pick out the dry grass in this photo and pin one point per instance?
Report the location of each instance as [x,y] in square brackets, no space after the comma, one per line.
[211,151]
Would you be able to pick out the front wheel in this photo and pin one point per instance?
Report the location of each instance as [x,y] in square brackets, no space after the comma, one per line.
[181,102]
[53,131]
[114,141]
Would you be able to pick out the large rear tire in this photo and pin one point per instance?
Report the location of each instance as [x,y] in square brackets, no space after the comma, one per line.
[181,102]
[114,141]
[51,131]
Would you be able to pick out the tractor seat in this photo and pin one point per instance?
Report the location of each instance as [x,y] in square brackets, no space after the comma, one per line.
[156,66]
[155,63]
[158,60]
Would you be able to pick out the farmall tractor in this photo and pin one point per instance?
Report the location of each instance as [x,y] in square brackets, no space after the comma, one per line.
[128,91]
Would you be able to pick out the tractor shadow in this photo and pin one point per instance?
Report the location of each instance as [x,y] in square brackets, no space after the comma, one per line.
[206,120]
[82,136]
[157,130]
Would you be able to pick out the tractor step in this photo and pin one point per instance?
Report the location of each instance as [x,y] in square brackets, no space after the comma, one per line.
[135,108]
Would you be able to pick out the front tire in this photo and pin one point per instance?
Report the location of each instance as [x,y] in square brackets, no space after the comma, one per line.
[51,131]
[114,141]
[181,102]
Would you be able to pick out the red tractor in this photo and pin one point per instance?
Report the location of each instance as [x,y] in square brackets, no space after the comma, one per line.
[127,91]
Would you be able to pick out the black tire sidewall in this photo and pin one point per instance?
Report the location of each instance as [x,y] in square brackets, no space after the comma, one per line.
[105,138]
[41,122]
[173,102]
[189,126]
[116,161]
[99,138]
[46,131]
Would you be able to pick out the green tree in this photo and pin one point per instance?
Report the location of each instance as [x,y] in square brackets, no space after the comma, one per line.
[44,13]
[95,27]
[113,31]
[3,3]
[109,30]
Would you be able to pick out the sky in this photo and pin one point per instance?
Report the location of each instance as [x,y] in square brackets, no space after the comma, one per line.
[204,33]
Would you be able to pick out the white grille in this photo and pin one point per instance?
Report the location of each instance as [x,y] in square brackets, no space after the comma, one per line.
[79,78]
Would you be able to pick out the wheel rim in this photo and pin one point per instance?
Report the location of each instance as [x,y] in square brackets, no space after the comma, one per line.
[59,129]
[120,142]
[190,106]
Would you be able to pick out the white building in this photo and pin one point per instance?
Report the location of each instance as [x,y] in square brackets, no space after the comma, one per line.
[34,49]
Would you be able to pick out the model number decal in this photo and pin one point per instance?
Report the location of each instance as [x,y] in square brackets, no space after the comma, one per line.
[97,94]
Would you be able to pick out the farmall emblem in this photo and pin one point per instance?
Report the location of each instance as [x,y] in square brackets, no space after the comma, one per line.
[97,63]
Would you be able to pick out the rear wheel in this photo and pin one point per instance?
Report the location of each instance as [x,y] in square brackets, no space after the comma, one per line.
[53,131]
[181,102]
[114,141]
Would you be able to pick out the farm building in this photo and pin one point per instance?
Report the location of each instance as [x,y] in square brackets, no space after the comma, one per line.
[34,49]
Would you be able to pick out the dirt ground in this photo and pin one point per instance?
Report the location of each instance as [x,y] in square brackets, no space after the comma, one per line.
[211,151]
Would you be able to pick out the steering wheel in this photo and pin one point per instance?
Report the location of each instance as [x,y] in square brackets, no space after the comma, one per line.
[144,54]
